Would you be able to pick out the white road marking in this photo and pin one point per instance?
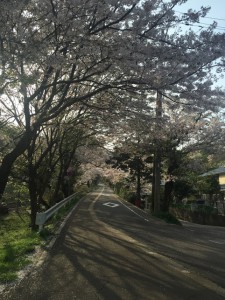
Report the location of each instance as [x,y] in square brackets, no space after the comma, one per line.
[133,211]
[217,242]
[110,204]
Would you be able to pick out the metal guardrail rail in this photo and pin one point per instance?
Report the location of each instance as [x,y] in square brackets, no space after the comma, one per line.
[42,217]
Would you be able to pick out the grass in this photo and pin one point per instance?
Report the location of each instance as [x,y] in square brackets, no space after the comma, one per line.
[17,240]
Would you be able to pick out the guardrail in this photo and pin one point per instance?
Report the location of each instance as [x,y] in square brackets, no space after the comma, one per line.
[42,217]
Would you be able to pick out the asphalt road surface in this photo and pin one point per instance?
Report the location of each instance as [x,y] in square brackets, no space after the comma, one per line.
[109,249]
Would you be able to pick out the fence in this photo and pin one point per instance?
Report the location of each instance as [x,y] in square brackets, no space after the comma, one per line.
[42,217]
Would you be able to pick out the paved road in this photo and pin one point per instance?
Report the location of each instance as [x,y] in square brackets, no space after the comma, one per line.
[111,250]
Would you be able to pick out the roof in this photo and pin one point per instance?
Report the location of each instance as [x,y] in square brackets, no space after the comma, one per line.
[217,171]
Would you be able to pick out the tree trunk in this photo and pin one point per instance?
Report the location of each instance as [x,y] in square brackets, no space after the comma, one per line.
[5,169]
[167,195]
[157,180]
[138,188]
[57,187]
[8,161]
[33,196]
[157,155]
[153,189]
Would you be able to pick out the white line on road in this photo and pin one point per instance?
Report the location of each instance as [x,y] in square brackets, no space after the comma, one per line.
[217,242]
[133,211]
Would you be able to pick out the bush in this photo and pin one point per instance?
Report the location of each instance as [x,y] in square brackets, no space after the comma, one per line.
[205,209]
[3,209]
[182,189]
[168,217]
[131,197]
[208,210]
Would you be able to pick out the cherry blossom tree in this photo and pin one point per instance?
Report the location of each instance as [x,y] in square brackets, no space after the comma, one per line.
[55,54]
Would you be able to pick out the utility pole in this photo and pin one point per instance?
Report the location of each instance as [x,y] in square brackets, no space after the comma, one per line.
[157,155]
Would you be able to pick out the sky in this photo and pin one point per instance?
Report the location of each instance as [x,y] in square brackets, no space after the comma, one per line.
[217,13]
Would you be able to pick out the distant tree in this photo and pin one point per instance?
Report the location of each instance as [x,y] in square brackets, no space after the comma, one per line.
[137,165]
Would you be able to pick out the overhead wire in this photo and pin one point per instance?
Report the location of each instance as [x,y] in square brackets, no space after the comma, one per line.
[204,25]
[201,17]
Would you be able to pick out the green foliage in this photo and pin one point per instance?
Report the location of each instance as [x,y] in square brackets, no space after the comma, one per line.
[182,188]
[204,209]
[16,191]
[123,190]
[124,193]
[208,210]
[131,197]
[127,195]
[173,157]
[46,232]
[208,185]
[167,217]
[134,164]
[118,186]
[7,134]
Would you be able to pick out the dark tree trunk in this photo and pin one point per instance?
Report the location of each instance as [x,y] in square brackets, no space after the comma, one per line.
[157,156]
[5,170]
[168,191]
[8,161]
[138,188]
[33,196]
[153,190]
[157,180]
[57,187]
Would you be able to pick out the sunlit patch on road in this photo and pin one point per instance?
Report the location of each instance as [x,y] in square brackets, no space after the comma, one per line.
[185,271]
[110,204]
[107,194]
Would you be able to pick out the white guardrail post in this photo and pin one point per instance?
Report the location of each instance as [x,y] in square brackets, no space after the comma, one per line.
[42,217]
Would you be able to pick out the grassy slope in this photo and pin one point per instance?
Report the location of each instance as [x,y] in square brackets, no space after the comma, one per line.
[17,240]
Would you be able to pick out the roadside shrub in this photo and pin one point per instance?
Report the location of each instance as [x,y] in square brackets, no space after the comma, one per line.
[167,217]
[131,197]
